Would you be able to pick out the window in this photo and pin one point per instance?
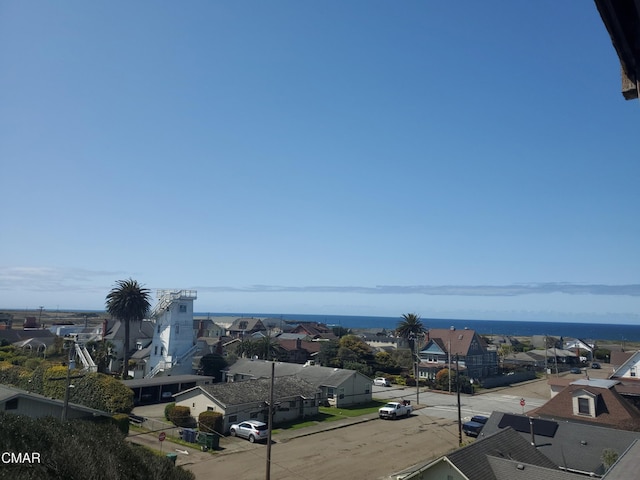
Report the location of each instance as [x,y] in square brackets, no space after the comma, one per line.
[293,403]
[330,392]
[11,404]
[158,328]
[583,406]
[632,371]
[209,409]
[161,350]
[233,418]
[183,308]
[177,329]
[155,350]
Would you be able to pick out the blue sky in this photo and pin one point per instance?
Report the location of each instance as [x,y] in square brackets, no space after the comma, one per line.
[457,160]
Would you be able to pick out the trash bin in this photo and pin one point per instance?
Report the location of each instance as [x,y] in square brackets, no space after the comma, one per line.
[172,457]
[207,441]
[189,435]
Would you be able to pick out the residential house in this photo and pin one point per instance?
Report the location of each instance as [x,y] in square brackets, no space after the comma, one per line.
[504,455]
[573,445]
[592,401]
[338,387]
[297,350]
[31,341]
[314,330]
[245,327]
[20,402]
[540,359]
[381,341]
[294,398]
[445,346]
[580,346]
[162,388]
[629,370]
[207,328]
[140,336]
[619,358]
[542,342]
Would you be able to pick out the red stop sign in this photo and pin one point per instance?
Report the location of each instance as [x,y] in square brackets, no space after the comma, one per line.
[522,402]
[162,436]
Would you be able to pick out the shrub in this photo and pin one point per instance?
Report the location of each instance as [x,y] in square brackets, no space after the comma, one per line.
[168,410]
[121,421]
[181,416]
[210,422]
[103,392]
[79,450]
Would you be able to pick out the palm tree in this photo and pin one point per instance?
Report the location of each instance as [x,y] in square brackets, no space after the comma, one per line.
[129,302]
[410,328]
[267,348]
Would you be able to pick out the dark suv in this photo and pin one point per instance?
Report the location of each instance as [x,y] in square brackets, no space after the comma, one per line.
[595,365]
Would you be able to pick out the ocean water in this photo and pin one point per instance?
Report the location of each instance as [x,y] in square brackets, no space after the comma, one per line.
[588,331]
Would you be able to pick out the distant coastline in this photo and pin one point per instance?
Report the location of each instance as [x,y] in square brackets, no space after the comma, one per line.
[614,333]
[591,331]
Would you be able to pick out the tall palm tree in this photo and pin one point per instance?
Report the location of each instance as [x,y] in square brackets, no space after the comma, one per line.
[410,327]
[129,302]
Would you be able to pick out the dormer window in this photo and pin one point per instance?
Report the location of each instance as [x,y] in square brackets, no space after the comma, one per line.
[583,406]
[585,403]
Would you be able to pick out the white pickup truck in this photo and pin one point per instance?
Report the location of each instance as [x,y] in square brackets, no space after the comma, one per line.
[395,410]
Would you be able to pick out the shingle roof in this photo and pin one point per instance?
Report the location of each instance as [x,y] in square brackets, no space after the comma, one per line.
[473,462]
[460,340]
[612,409]
[577,446]
[316,375]
[251,391]
[246,324]
[506,469]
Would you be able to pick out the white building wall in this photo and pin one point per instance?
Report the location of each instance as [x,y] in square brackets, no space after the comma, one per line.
[173,335]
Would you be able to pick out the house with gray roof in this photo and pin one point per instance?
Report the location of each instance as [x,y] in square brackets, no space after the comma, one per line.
[338,386]
[245,327]
[572,446]
[504,455]
[294,398]
[20,402]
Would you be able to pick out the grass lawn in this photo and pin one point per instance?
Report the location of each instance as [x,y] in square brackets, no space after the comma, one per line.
[331,414]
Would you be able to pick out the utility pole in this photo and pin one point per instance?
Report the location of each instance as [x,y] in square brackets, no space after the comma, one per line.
[67,386]
[273,370]
[417,360]
[459,412]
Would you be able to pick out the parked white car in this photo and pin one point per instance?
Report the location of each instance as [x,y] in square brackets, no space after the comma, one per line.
[381,382]
[252,430]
